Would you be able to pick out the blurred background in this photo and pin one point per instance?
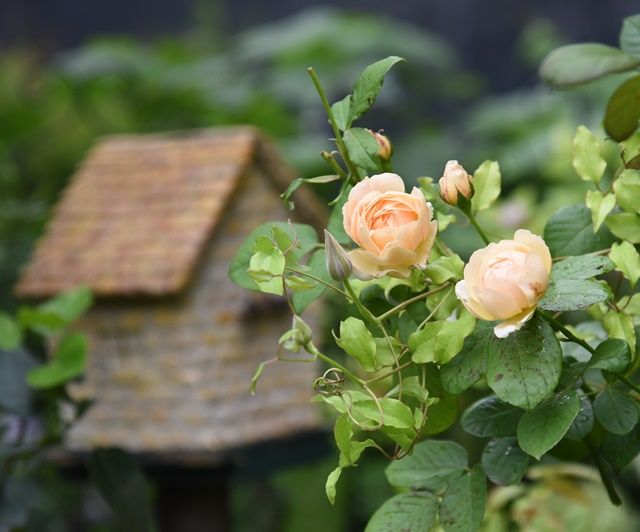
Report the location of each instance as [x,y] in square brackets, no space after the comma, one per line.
[73,71]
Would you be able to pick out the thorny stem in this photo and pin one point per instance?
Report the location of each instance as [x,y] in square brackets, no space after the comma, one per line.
[410,301]
[334,125]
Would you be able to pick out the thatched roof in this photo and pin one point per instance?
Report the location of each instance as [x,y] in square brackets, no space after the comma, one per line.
[140,209]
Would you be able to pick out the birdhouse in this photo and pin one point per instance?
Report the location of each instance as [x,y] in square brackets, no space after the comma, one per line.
[150,223]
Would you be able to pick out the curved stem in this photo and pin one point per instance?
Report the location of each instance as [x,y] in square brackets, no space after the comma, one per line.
[410,301]
[318,280]
[313,350]
[477,227]
[557,326]
[364,311]
[334,125]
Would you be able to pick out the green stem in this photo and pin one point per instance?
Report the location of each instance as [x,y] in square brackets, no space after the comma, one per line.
[333,164]
[557,326]
[389,373]
[334,125]
[477,227]
[313,350]
[604,472]
[410,301]
[317,279]
[629,383]
[364,311]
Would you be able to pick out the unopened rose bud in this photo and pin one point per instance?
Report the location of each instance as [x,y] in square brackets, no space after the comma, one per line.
[455,181]
[338,263]
[386,149]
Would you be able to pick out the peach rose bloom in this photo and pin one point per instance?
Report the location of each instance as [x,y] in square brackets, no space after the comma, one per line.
[394,230]
[505,281]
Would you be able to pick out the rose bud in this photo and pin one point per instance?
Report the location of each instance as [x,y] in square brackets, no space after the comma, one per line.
[386,149]
[394,230]
[505,280]
[455,181]
[338,263]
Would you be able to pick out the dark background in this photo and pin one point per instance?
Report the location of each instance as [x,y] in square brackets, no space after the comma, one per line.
[483,31]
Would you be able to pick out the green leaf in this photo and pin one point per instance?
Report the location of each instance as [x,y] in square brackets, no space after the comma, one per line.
[368,85]
[341,111]
[620,325]
[410,386]
[440,341]
[543,427]
[445,269]
[570,287]
[587,155]
[358,342]
[600,206]
[68,362]
[407,511]
[317,266]
[441,415]
[620,450]
[625,225]
[627,261]
[69,305]
[305,236]
[574,64]
[395,414]
[123,486]
[429,466]
[298,182]
[616,411]
[57,313]
[330,485]
[465,369]
[504,462]
[574,294]
[267,266]
[462,506]
[627,190]
[486,185]
[524,368]
[10,333]
[583,422]
[490,417]
[623,110]
[630,36]
[581,267]
[363,150]
[612,355]
[569,231]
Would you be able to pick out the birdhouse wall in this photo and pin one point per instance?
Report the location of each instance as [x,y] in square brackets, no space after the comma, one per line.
[170,376]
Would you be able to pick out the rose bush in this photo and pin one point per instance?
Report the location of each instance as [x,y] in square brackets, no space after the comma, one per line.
[552,381]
